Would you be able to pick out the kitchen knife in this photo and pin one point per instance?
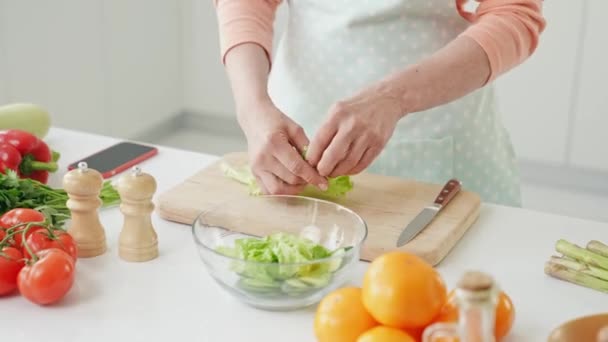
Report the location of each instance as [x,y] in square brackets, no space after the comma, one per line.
[450,189]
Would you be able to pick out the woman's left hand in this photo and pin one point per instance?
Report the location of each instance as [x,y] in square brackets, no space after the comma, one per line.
[354,133]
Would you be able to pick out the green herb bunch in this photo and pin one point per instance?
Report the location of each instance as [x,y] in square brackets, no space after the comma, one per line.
[18,192]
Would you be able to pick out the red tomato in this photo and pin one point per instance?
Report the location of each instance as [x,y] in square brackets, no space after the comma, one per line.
[11,262]
[40,239]
[2,234]
[67,243]
[21,215]
[49,279]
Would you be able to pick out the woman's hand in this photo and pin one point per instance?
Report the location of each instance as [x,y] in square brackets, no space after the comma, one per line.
[275,141]
[275,150]
[355,133]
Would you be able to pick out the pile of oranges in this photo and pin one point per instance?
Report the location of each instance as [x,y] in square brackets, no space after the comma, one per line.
[401,296]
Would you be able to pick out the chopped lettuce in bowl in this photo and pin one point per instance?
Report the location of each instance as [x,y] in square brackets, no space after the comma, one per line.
[282,263]
[279,252]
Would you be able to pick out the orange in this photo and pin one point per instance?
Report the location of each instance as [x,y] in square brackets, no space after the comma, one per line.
[416,333]
[401,290]
[385,334]
[505,314]
[341,317]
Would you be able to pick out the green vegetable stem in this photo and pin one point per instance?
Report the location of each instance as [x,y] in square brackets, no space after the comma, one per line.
[583,255]
[580,267]
[586,267]
[598,247]
[562,272]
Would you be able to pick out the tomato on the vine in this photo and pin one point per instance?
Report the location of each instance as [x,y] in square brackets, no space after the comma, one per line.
[2,234]
[20,216]
[41,239]
[11,262]
[49,278]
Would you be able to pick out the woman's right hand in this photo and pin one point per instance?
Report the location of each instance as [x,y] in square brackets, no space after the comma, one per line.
[275,144]
[275,141]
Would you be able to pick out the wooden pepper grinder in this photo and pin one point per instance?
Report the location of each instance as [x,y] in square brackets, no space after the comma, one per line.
[138,241]
[83,186]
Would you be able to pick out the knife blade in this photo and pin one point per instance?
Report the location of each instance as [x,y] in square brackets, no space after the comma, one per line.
[449,190]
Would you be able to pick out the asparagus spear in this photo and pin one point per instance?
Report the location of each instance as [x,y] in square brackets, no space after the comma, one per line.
[598,247]
[583,268]
[564,273]
[581,254]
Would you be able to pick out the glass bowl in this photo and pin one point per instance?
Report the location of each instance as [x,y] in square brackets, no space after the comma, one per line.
[289,282]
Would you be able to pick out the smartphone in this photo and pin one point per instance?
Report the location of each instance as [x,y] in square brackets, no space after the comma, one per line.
[117,158]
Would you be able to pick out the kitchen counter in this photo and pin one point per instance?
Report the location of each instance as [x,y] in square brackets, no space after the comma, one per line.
[173,298]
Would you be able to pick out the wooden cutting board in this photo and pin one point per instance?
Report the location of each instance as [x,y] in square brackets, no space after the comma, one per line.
[387,204]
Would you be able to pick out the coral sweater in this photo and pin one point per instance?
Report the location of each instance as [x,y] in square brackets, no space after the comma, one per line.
[507,30]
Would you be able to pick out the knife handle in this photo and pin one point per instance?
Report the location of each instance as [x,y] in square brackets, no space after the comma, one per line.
[450,189]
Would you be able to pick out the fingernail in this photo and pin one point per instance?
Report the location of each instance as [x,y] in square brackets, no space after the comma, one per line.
[323,187]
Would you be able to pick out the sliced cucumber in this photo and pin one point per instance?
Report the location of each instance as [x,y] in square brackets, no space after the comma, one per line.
[296,283]
[295,287]
[336,262]
[316,281]
[258,285]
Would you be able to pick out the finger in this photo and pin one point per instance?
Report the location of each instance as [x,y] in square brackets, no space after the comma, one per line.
[320,142]
[296,165]
[298,137]
[284,174]
[368,157]
[277,187]
[261,184]
[352,158]
[335,152]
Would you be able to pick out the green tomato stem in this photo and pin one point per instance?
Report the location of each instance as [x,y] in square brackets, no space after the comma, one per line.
[11,229]
[56,156]
[25,244]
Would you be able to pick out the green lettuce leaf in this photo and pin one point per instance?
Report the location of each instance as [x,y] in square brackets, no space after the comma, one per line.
[242,175]
[277,250]
[337,186]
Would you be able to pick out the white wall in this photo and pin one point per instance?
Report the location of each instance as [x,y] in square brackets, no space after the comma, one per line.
[103,66]
[590,123]
[535,98]
[555,104]
[206,88]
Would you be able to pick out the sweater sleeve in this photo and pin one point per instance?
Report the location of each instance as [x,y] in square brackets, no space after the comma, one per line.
[245,21]
[507,30]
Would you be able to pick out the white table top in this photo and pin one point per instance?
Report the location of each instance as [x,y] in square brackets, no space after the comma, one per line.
[173,298]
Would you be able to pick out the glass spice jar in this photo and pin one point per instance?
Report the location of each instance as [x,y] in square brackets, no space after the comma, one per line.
[476,296]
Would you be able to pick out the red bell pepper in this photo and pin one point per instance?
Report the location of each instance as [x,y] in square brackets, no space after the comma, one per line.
[36,158]
[10,158]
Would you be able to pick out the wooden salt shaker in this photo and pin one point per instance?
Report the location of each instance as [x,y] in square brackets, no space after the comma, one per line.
[83,186]
[138,241]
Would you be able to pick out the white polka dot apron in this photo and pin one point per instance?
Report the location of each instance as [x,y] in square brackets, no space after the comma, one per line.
[331,49]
